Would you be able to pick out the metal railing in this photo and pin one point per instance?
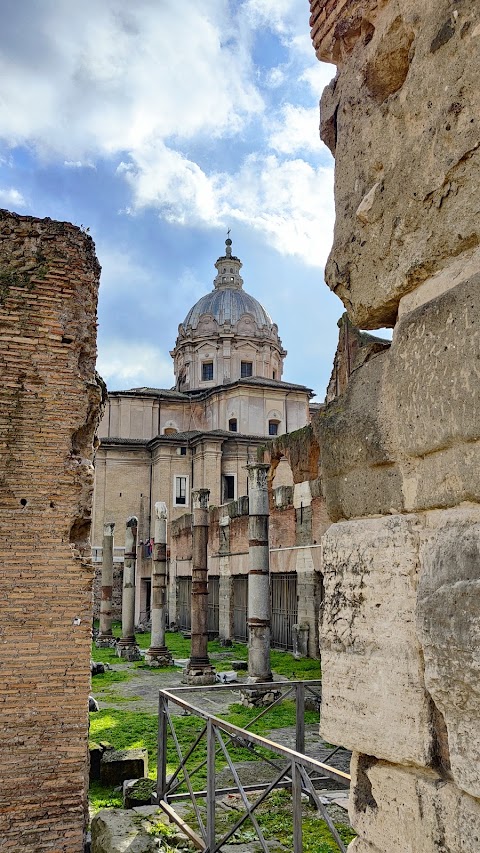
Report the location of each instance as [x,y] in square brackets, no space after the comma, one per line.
[297,772]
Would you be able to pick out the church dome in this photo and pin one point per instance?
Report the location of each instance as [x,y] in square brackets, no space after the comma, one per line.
[227,335]
[227,302]
[227,305]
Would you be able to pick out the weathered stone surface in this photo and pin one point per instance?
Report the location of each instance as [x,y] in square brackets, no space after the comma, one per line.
[448,615]
[374,698]
[405,435]
[406,810]
[138,792]
[409,160]
[117,831]
[118,765]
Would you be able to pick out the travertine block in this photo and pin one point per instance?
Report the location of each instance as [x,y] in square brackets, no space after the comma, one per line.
[405,435]
[407,810]
[448,617]
[374,699]
[398,118]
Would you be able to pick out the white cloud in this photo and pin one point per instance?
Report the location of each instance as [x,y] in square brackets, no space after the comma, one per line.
[12,198]
[79,164]
[296,130]
[290,202]
[281,16]
[100,78]
[123,364]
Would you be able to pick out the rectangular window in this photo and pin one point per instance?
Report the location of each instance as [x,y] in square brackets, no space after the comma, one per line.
[180,496]
[246,369]
[207,370]
[228,487]
[273,428]
[232,425]
[183,451]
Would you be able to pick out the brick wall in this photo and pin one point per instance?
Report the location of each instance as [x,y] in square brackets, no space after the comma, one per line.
[49,407]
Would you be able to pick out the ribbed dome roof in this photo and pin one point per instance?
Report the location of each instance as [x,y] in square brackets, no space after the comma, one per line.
[228,301]
[227,305]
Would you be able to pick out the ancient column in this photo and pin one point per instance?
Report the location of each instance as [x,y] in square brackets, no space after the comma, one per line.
[199,669]
[158,654]
[258,615]
[127,645]
[105,636]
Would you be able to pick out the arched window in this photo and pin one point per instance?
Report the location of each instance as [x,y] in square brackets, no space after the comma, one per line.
[170,431]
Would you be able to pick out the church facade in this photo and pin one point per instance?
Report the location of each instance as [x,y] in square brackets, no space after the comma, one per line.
[229,397]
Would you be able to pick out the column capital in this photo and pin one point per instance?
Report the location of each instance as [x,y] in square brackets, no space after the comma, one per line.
[161,509]
[257,475]
[200,498]
[108,528]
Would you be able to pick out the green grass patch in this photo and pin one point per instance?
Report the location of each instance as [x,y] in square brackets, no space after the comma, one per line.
[279,717]
[305,669]
[110,676]
[101,797]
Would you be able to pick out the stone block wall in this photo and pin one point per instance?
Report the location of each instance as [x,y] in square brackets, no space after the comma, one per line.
[50,402]
[400,447]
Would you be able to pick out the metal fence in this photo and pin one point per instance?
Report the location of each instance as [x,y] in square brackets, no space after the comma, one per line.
[184,603]
[213,608]
[294,770]
[240,599]
[283,589]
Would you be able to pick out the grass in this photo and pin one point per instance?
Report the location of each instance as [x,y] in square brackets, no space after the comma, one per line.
[275,819]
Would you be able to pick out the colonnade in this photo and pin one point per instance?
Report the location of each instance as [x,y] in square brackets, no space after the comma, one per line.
[199,670]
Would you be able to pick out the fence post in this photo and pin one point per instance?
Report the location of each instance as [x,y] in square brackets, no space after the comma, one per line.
[297,808]
[300,717]
[162,748]
[210,786]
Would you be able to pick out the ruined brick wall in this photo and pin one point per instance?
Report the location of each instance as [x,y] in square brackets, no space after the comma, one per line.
[49,409]
[400,448]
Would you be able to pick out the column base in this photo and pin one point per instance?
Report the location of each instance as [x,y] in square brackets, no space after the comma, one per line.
[128,650]
[258,697]
[105,641]
[199,674]
[158,656]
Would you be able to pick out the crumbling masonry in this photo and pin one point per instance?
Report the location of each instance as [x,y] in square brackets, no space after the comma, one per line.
[49,408]
[400,448]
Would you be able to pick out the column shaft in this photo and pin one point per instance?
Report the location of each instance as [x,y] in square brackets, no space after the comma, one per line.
[199,670]
[105,637]
[158,654]
[127,646]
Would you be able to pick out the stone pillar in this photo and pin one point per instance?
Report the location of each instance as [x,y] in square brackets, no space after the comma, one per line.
[127,645]
[158,654]
[105,638]
[199,669]
[258,614]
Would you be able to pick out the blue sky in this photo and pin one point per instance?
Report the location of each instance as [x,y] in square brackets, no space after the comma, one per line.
[157,126]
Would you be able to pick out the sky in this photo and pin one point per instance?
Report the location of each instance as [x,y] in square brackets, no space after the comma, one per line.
[157,125]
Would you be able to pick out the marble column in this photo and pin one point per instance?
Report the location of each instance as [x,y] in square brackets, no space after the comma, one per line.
[199,669]
[127,645]
[258,614]
[158,654]
[105,637]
